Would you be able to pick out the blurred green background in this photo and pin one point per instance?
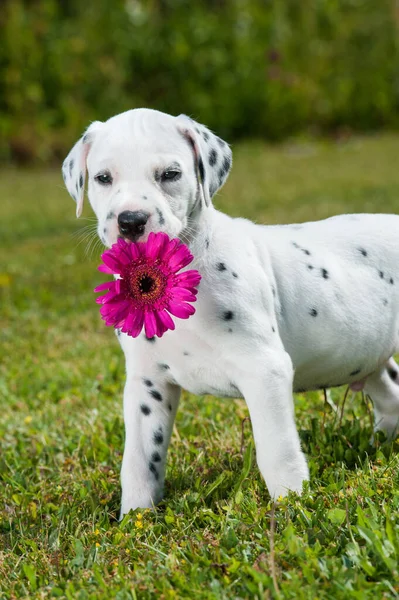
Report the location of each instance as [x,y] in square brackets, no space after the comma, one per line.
[261,70]
[246,68]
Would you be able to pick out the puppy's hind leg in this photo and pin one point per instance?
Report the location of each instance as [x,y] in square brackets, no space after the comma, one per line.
[383,388]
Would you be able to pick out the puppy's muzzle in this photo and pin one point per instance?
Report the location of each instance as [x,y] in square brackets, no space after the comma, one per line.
[131,224]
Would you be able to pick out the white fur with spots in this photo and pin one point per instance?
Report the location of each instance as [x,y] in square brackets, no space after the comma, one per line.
[280,309]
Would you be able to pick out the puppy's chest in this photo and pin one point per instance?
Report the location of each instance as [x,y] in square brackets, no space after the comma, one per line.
[199,367]
[203,353]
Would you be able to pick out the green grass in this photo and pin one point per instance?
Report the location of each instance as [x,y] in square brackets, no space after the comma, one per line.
[61,428]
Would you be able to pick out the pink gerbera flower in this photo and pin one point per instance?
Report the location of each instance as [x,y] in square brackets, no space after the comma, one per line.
[149,287]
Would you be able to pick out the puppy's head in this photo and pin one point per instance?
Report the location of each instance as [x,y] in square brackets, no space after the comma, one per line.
[147,171]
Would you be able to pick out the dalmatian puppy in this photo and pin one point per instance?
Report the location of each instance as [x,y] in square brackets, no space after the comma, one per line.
[280,309]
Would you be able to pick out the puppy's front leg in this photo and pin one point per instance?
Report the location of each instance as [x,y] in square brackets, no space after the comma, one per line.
[150,405]
[267,390]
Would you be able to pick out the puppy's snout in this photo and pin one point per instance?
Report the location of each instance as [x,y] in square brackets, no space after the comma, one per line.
[131,224]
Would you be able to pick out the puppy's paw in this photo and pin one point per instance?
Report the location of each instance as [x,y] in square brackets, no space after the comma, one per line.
[388,424]
[139,498]
[288,476]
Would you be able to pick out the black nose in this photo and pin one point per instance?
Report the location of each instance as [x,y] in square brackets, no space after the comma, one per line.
[132,223]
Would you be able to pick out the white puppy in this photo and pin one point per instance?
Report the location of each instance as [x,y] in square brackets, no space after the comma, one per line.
[280,309]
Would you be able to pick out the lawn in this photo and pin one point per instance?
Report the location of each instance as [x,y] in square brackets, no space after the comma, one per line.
[216,534]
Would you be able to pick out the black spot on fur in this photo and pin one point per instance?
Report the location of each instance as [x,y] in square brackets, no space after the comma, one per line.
[392,373]
[230,330]
[153,470]
[324,273]
[155,394]
[185,353]
[146,410]
[221,174]
[220,142]
[170,407]
[355,372]
[85,138]
[234,274]
[161,218]
[163,366]
[71,163]
[158,437]
[81,180]
[201,169]
[274,331]
[118,332]
[212,157]
[110,215]
[221,267]
[363,252]
[226,164]
[228,315]
[148,382]
[144,197]
[310,267]
[207,243]
[391,281]
[205,135]
[385,302]
[382,274]
[156,457]
[305,251]
[152,340]
[295,244]
[313,312]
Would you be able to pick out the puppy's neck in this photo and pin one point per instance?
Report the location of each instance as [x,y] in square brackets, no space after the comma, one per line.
[197,235]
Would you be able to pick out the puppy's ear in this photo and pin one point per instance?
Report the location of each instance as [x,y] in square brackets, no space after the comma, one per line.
[212,156]
[74,166]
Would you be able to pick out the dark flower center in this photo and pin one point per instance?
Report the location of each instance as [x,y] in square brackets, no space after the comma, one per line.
[146,284]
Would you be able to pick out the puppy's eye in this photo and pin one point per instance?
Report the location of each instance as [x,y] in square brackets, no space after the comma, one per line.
[170,175]
[104,178]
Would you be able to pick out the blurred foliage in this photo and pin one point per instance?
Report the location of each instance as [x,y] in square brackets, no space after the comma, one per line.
[260,68]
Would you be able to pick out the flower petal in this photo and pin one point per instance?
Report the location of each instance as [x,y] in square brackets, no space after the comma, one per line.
[114,314]
[161,328]
[121,251]
[112,298]
[166,319]
[191,277]
[170,249]
[104,286]
[181,258]
[179,293]
[105,269]
[131,252]
[112,261]
[150,324]
[156,244]
[180,309]
[133,323]
[120,308]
